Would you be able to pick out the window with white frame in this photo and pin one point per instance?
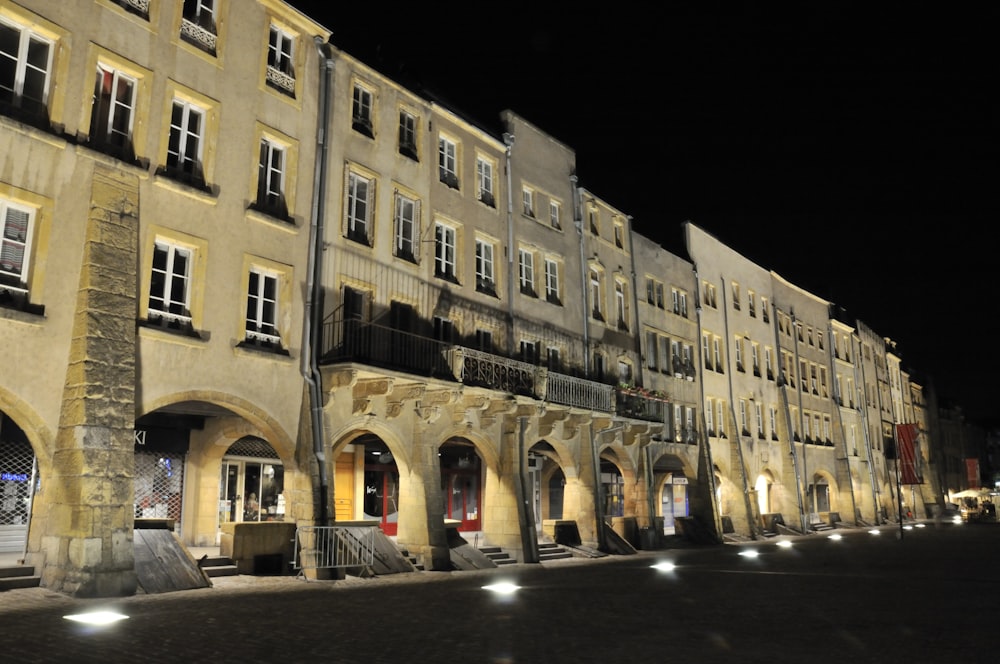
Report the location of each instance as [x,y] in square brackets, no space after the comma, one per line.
[619,234]
[484,181]
[198,24]
[759,412]
[405,227]
[717,353]
[184,148]
[16,228]
[408,135]
[552,293]
[755,357]
[706,350]
[752,303]
[676,358]
[659,295]
[485,278]
[720,419]
[738,349]
[596,295]
[678,423]
[664,354]
[555,214]
[526,271]
[769,362]
[709,294]
[25,71]
[448,162]
[773,420]
[170,284]
[652,361]
[262,308]
[360,195]
[621,304]
[710,417]
[764,312]
[649,291]
[528,202]
[553,359]
[361,111]
[689,429]
[736,295]
[280,62]
[826,428]
[271,178]
[113,112]
[445,247]
[743,417]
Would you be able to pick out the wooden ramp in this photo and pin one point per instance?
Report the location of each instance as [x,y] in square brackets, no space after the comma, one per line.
[162,564]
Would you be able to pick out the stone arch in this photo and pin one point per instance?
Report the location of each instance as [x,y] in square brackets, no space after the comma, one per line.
[41,438]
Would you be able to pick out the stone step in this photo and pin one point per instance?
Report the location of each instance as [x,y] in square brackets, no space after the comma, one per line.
[18,576]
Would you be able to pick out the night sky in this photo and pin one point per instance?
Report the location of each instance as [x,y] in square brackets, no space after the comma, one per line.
[795,134]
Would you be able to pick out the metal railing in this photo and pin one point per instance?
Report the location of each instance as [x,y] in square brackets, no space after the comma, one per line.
[579,392]
[330,547]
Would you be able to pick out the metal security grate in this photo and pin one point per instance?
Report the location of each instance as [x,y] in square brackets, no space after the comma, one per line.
[16,475]
[159,484]
[252,447]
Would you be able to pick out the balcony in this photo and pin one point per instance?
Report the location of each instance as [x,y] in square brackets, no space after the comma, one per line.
[640,404]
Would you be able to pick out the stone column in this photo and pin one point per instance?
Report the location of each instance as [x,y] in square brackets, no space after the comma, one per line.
[90,493]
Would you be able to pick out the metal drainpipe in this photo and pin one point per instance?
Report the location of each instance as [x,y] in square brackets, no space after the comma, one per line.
[578,223]
[508,140]
[635,294]
[313,316]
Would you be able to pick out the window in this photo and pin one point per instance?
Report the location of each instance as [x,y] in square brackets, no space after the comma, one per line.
[280,65]
[764,314]
[198,24]
[755,357]
[717,354]
[485,279]
[553,360]
[552,281]
[271,178]
[677,422]
[361,111]
[595,295]
[706,341]
[447,162]
[592,217]
[405,228]
[679,302]
[555,213]
[659,295]
[769,362]
[744,429]
[184,148]
[113,112]
[738,348]
[649,291]
[720,409]
[773,419]
[624,372]
[709,417]
[408,135]
[664,354]
[803,373]
[262,308]
[709,290]
[736,296]
[444,252]
[484,341]
[526,267]
[528,202]
[619,235]
[138,7]
[25,70]
[651,350]
[170,284]
[759,412]
[529,352]
[360,195]
[444,330]
[484,180]
[676,360]
[752,304]
[621,304]
[16,228]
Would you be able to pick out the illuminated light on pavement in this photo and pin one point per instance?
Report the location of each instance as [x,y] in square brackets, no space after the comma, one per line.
[921,525]
[874,532]
[665,566]
[96,617]
[785,544]
[907,527]
[835,536]
[503,588]
[750,553]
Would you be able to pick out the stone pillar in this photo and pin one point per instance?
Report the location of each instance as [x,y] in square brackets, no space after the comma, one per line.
[421,512]
[88,532]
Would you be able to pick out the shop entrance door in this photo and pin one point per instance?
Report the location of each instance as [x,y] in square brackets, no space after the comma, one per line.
[382,496]
[462,495]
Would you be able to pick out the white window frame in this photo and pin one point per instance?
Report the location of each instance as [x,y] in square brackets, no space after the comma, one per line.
[271,174]
[407,132]
[484,181]
[448,161]
[182,160]
[405,222]
[621,304]
[555,213]
[15,245]
[24,70]
[710,416]
[526,271]
[362,105]
[360,195]
[528,202]
[281,58]
[445,251]
[485,275]
[117,105]
[262,310]
[172,280]
[552,293]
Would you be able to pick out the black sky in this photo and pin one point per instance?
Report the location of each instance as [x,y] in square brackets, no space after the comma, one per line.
[796,133]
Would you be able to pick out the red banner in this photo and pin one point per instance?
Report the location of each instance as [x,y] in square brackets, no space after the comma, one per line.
[972,473]
[906,443]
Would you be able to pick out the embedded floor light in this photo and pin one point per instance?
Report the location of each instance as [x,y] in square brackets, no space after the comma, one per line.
[665,566]
[835,536]
[785,544]
[750,553]
[874,531]
[96,617]
[503,588]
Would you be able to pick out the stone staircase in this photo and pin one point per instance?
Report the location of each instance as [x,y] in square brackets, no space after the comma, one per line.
[413,559]
[217,566]
[497,555]
[18,576]
[552,551]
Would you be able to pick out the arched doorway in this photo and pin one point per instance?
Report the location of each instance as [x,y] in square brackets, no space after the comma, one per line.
[763,489]
[381,485]
[252,485]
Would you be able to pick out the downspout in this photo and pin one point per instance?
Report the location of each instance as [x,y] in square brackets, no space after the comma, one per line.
[508,140]
[803,481]
[838,404]
[578,223]
[313,315]
[635,295]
